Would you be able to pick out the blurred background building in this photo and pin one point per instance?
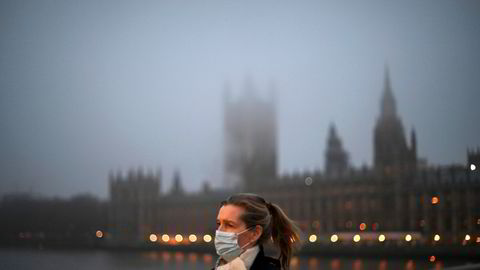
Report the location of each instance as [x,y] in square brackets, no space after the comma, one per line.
[400,198]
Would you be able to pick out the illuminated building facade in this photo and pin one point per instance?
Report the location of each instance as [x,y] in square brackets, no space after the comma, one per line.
[396,200]
[133,205]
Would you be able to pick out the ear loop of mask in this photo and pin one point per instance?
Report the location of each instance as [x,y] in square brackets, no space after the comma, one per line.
[246,230]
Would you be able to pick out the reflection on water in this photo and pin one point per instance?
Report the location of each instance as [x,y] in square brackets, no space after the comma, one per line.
[179,259]
[106,260]
[188,260]
[362,263]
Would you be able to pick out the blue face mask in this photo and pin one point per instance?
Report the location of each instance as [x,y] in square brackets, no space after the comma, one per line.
[226,244]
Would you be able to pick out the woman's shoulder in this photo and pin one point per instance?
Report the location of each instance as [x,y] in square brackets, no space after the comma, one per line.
[265,263]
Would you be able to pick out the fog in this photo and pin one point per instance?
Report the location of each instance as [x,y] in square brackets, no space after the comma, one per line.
[94,86]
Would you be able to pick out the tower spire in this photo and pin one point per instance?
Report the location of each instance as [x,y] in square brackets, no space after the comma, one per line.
[177,187]
[336,158]
[332,131]
[388,105]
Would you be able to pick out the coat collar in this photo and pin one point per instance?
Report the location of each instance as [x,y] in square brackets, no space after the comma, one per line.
[257,255]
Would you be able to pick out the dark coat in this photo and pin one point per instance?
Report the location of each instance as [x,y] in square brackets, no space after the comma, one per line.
[263,262]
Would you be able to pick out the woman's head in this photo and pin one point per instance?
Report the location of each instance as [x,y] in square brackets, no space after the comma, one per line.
[245,213]
[258,221]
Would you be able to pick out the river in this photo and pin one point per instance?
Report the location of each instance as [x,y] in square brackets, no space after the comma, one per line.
[26,259]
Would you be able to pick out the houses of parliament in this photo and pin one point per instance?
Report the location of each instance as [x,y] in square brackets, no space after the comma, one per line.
[399,199]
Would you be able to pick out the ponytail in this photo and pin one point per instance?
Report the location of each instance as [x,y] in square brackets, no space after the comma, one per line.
[285,234]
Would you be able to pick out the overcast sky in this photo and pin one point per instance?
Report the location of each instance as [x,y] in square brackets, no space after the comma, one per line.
[92,86]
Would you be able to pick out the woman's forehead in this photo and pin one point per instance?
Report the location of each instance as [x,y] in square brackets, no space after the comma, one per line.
[230,212]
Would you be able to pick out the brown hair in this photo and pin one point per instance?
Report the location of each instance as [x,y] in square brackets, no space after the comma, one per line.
[274,222]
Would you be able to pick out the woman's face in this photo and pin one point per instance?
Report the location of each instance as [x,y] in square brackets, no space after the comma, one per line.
[228,220]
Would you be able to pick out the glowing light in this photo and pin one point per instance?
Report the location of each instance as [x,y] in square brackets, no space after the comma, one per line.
[207,238]
[467,237]
[356,238]
[308,181]
[363,226]
[312,238]
[334,238]
[408,238]
[381,238]
[478,240]
[432,258]
[165,238]
[435,200]
[436,238]
[178,238]
[473,167]
[192,238]
[99,234]
[153,237]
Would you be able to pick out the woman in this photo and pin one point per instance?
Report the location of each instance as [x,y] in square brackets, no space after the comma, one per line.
[244,223]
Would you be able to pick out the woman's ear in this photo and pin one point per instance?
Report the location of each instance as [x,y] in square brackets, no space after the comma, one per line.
[258,232]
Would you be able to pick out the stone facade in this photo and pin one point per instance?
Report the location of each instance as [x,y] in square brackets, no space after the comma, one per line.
[395,196]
